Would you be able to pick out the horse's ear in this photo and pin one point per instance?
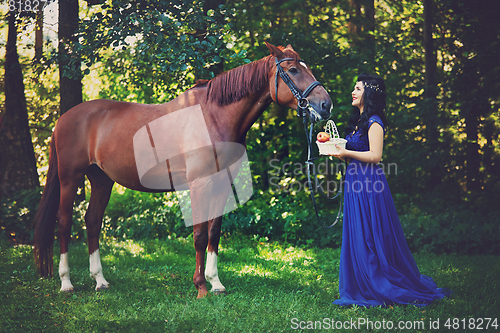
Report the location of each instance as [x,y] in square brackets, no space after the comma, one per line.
[275,52]
[290,47]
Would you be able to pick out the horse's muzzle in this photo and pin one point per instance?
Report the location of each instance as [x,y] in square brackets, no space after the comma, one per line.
[320,110]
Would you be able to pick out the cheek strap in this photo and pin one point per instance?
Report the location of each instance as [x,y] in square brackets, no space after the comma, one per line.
[301,96]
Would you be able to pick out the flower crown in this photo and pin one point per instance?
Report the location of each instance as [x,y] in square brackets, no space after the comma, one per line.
[373,86]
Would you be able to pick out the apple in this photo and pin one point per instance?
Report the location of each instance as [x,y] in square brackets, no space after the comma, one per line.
[323,137]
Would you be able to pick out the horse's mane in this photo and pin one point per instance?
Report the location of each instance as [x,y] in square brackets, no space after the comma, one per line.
[234,85]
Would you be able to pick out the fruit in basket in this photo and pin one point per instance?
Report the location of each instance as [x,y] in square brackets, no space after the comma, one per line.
[323,137]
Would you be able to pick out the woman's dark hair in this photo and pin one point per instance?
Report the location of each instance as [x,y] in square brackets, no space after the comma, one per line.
[373,103]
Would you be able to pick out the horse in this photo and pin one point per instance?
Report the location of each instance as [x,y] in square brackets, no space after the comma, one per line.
[97,138]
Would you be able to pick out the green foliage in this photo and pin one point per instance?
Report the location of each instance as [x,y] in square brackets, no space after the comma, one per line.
[453,231]
[153,50]
[16,216]
[268,285]
[138,215]
[283,217]
[267,217]
[42,94]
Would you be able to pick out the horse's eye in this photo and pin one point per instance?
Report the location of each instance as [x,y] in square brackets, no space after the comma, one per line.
[293,70]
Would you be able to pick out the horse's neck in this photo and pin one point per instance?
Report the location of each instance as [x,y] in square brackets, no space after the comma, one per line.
[232,121]
[237,118]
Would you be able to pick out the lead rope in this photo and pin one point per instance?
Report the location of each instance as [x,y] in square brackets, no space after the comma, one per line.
[310,163]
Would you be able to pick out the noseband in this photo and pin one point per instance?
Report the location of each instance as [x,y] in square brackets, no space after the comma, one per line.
[301,96]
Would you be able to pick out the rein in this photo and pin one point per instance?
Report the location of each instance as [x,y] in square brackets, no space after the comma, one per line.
[310,163]
[303,105]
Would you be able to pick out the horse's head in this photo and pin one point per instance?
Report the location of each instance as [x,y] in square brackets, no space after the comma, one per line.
[293,85]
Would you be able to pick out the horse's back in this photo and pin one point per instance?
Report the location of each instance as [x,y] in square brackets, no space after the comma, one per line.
[103,110]
[101,132]
[89,123]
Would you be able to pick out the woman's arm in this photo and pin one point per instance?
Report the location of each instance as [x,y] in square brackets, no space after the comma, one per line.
[376,142]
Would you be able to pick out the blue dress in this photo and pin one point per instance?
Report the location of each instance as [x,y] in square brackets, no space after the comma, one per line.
[376,265]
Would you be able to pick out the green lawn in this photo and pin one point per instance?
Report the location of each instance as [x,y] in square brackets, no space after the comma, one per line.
[272,288]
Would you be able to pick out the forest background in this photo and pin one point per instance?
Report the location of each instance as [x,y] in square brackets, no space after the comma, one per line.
[439,60]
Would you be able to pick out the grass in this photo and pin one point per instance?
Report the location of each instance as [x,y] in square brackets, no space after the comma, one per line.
[272,288]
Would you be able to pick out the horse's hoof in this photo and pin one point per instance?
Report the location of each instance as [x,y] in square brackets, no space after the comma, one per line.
[102,287]
[219,292]
[67,291]
[202,294]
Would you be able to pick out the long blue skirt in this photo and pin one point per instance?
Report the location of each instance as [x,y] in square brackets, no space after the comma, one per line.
[376,265]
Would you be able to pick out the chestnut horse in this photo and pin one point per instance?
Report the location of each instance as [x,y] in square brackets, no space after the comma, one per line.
[97,139]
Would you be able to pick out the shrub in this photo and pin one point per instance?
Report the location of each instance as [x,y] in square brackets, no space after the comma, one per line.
[456,230]
[285,217]
[16,216]
[266,216]
[139,215]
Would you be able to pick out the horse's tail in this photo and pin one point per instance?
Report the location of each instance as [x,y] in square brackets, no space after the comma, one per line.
[45,218]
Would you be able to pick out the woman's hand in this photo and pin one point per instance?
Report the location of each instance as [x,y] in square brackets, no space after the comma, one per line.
[342,153]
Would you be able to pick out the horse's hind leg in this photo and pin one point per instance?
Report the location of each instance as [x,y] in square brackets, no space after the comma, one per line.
[100,193]
[69,186]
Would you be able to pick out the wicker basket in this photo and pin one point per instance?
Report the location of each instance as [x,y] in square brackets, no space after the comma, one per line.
[328,147]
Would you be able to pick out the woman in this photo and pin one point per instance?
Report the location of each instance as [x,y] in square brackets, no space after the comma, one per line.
[376,265]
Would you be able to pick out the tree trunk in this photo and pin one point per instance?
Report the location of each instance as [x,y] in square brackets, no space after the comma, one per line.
[70,76]
[472,150]
[430,94]
[361,26]
[70,87]
[18,169]
[39,32]
[490,165]
[369,27]
[354,19]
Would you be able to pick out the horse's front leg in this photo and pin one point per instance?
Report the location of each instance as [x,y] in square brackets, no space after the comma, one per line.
[200,236]
[199,191]
[208,198]
[211,272]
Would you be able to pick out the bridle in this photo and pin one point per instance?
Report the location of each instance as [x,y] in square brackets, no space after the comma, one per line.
[302,105]
[301,96]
